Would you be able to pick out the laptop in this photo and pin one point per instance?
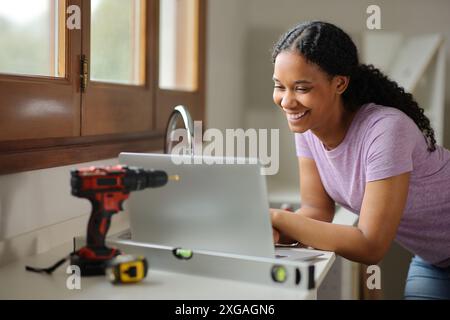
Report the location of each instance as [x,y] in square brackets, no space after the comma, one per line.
[214,207]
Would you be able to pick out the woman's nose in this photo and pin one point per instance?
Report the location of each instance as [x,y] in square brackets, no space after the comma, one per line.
[288,100]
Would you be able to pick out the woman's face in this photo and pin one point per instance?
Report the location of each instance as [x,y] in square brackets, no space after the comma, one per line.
[306,94]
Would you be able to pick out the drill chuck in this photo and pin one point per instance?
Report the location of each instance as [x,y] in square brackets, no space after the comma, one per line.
[138,179]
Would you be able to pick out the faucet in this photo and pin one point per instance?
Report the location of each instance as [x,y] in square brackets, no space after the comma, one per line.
[172,125]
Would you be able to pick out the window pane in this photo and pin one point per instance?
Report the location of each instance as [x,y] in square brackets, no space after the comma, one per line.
[178,43]
[118,41]
[32,37]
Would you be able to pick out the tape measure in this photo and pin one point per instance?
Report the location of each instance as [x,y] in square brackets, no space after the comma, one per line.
[127,269]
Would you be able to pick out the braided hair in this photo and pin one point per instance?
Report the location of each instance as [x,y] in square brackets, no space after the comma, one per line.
[330,48]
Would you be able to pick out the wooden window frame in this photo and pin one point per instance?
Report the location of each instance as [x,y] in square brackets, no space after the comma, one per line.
[33,154]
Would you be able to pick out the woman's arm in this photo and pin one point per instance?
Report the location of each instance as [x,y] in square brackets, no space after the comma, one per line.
[315,201]
[381,212]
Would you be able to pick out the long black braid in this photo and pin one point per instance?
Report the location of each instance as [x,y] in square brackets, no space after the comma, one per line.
[330,48]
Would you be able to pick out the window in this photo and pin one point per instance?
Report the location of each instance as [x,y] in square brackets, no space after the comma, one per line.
[71,96]
[33,40]
[118,41]
[178,45]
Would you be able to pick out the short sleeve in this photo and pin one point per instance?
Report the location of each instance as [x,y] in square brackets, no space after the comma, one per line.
[390,146]
[301,146]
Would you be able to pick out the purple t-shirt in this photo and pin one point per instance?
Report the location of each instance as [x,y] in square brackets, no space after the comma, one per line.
[384,142]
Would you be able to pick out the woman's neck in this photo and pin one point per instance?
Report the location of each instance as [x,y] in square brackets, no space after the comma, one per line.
[335,130]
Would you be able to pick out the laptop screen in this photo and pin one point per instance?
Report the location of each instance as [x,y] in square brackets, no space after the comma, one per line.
[213,206]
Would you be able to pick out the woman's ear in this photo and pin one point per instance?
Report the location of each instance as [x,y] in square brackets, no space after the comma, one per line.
[341,83]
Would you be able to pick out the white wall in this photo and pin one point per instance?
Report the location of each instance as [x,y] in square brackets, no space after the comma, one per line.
[224,81]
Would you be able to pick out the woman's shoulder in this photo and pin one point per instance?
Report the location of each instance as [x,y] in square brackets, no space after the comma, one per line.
[385,125]
[373,110]
[372,115]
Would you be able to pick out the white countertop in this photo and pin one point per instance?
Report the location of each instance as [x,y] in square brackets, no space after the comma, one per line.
[17,283]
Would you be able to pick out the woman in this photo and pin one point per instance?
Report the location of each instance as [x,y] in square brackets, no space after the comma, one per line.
[364,143]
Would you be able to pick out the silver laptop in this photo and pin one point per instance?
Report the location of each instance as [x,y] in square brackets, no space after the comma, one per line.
[214,207]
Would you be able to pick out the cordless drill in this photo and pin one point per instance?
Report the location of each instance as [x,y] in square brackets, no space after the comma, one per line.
[107,188]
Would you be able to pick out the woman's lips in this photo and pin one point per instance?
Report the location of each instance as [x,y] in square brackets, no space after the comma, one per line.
[296,117]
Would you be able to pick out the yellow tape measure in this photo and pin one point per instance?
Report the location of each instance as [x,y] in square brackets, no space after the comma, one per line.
[127,269]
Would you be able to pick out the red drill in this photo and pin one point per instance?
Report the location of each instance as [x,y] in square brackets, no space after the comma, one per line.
[107,188]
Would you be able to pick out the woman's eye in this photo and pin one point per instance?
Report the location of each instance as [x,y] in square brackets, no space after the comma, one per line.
[278,87]
[302,89]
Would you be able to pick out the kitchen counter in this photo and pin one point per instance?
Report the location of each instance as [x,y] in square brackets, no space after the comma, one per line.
[17,283]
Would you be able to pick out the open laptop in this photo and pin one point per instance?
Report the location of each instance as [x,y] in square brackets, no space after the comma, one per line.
[214,207]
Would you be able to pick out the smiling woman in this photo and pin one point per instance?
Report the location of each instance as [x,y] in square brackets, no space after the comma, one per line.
[364,143]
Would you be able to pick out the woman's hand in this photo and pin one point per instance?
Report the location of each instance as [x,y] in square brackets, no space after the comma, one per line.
[276,235]
[275,215]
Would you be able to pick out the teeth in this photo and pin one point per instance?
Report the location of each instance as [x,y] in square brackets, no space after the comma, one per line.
[297,116]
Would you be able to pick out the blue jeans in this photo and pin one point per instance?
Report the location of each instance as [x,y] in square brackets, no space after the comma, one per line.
[426,281]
